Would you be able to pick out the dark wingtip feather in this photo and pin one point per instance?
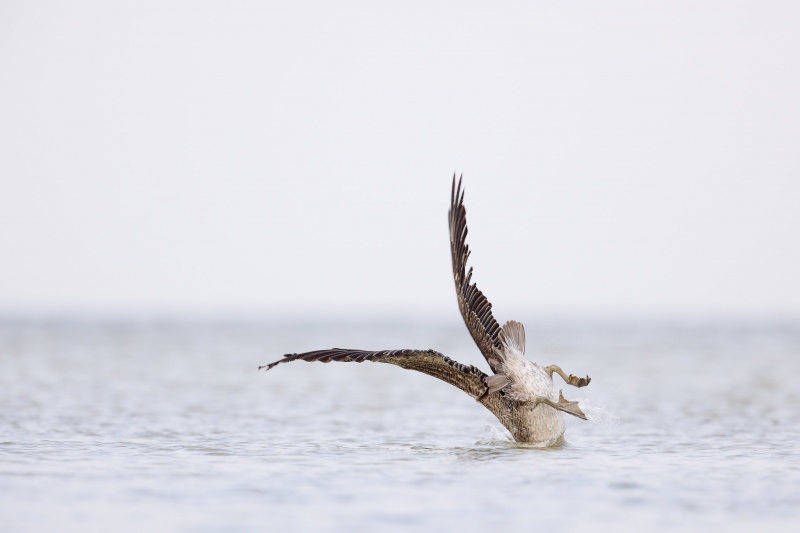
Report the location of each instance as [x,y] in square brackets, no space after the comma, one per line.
[270,365]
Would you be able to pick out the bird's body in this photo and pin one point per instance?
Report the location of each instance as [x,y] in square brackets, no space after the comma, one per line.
[520,393]
[527,382]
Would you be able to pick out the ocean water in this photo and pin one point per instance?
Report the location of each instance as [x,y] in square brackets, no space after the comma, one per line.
[168,426]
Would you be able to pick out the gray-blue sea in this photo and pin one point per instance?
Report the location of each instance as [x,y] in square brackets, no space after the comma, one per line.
[166,425]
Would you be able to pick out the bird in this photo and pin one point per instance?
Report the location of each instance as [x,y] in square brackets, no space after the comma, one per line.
[519,392]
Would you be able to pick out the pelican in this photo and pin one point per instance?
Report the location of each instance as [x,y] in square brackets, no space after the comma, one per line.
[520,393]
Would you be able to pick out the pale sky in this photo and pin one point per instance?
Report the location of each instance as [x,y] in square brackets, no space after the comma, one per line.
[620,158]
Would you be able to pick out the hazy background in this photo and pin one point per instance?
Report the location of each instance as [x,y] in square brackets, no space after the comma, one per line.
[620,158]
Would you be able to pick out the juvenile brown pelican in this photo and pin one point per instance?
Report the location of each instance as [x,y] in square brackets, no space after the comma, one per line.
[520,393]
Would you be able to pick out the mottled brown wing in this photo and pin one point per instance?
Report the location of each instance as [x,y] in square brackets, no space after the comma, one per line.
[475,308]
[466,377]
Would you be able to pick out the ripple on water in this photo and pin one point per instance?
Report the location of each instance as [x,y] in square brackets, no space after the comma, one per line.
[170,428]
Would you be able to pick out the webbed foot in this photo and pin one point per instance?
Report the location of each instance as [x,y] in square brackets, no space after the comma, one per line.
[578,382]
[562,404]
[575,381]
[569,407]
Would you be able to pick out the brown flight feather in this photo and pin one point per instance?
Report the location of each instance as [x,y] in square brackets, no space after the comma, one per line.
[466,377]
[475,308]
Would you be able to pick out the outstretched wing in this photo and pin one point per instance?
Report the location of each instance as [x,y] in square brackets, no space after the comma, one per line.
[466,377]
[475,308]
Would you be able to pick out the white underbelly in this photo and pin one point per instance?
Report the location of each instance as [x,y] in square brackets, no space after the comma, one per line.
[545,424]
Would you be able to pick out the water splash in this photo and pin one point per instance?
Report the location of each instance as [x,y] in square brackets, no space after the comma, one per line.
[495,435]
[599,413]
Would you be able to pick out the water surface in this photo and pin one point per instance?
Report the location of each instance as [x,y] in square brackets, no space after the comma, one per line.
[167,426]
